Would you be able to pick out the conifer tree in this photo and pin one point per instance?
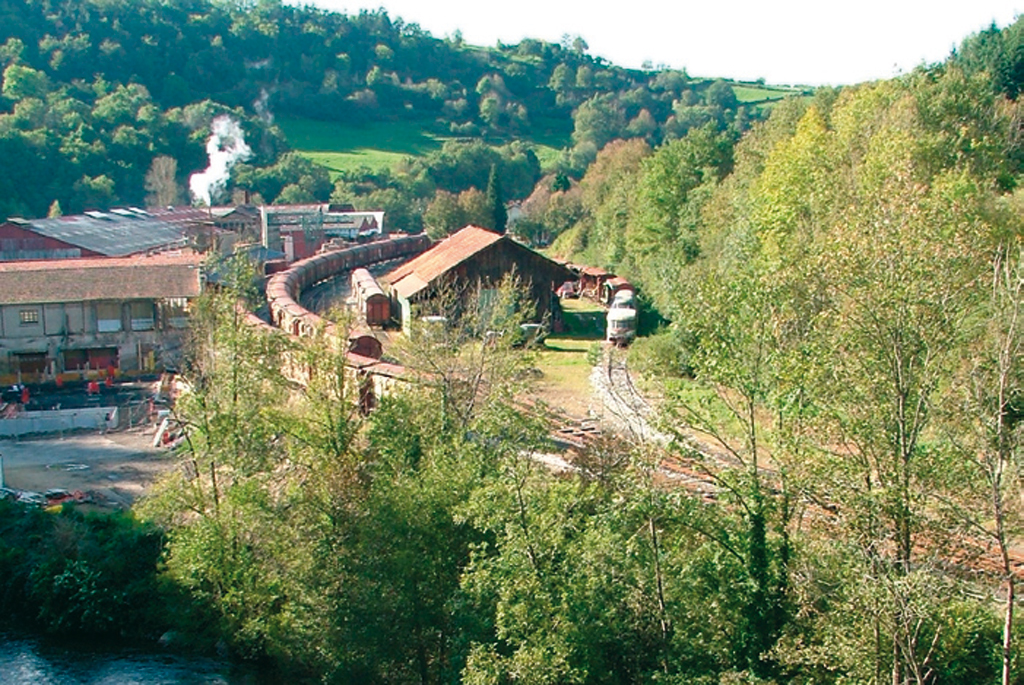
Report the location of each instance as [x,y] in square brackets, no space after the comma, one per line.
[496,202]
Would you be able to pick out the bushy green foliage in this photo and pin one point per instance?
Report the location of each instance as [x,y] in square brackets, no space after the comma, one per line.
[78,574]
[824,289]
[662,352]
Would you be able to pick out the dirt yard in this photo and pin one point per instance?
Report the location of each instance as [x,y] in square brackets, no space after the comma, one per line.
[115,468]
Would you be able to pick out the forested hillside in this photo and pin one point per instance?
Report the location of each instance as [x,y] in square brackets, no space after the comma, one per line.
[93,92]
[844,289]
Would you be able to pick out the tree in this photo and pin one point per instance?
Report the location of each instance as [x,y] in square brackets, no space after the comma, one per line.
[898,237]
[12,50]
[444,215]
[95,191]
[24,82]
[491,110]
[560,183]
[642,126]
[598,121]
[986,409]
[738,319]
[226,550]
[561,78]
[584,77]
[162,182]
[294,194]
[398,552]
[402,214]
[496,202]
[720,94]
[606,201]
[664,228]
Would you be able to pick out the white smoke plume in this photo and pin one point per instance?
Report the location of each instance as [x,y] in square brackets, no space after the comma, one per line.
[262,107]
[261,64]
[225,147]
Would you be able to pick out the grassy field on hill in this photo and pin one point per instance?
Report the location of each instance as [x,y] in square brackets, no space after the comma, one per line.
[756,93]
[340,147]
[379,145]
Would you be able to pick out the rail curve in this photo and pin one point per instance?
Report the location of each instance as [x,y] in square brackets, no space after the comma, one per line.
[372,376]
[284,289]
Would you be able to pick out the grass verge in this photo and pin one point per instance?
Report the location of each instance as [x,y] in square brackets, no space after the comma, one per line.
[583,318]
[565,374]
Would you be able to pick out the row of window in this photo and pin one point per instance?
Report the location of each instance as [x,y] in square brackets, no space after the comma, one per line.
[108,317]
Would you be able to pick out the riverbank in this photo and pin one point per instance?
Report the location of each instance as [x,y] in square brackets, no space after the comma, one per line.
[28,659]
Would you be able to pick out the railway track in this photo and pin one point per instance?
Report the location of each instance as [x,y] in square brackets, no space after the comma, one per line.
[634,416]
[628,409]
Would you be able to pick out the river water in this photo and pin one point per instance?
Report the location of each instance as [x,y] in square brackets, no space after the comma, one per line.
[25,659]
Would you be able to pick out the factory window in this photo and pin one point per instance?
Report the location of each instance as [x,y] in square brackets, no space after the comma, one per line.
[143,318]
[175,312]
[28,317]
[108,317]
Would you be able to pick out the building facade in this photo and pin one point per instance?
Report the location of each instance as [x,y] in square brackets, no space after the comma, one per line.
[300,230]
[74,318]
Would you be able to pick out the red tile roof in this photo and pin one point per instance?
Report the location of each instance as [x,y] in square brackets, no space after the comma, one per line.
[113,278]
[594,271]
[418,273]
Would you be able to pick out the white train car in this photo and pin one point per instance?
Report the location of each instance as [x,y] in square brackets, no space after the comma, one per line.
[621,319]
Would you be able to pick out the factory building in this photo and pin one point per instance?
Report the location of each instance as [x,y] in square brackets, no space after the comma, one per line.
[72,317]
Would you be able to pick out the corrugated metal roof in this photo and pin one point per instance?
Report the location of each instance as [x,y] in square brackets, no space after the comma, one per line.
[86,280]
[259,254]
[122,233]
[291,209]
[418,273]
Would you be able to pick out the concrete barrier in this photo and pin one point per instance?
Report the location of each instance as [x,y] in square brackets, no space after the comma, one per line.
[60,420]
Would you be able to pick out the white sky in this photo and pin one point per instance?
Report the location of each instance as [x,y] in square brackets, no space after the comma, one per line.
[807,42]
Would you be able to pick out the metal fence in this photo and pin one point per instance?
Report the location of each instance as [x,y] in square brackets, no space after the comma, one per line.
[132,415]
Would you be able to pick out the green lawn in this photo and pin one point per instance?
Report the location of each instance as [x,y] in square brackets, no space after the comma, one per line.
[584,319]
[342,147]
[565,369]
[556,344]
[547,155]
[745,93]
[550,132]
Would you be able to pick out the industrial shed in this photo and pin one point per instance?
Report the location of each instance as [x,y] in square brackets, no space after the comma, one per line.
[592,280]
[117,233]
[475,256]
